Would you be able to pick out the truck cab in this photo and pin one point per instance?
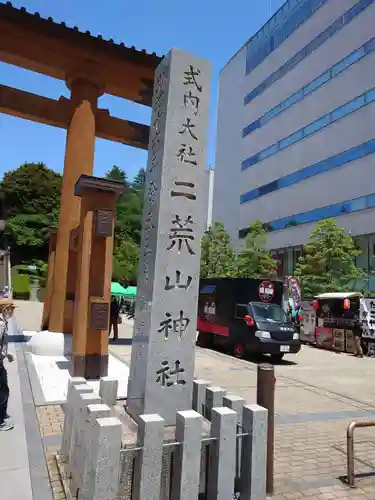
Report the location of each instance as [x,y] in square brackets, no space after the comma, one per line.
[246,316]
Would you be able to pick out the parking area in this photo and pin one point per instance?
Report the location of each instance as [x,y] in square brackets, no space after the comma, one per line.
[317,394]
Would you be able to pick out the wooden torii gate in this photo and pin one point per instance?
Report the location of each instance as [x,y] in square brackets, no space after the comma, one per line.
[91,67]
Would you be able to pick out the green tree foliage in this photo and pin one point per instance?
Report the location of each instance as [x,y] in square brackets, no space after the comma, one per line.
[254,260]
[139,180]
[125,262]
[128,226]
[31,198]
[117,174]
[218,259]
[31,203]
[129,208]
[327,263]
[33,188]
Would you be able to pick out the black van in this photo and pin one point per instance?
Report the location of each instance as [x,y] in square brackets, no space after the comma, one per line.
[245,315]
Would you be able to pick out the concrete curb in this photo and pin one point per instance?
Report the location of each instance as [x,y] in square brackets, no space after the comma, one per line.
[39,476]
[36,388]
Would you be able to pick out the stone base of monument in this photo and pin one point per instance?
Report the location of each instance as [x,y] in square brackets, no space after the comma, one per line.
[217,452]
[47,343]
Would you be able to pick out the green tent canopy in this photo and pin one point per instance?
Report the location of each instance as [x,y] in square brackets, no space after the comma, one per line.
[119,291]
[130,292]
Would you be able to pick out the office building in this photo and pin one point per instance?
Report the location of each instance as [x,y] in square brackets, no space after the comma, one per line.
[295,136]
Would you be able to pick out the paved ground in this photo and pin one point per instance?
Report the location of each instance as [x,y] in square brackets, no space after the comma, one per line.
[14,464]
[318,393]
[27,466]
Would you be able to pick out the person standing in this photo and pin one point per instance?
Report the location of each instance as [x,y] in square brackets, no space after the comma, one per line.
[357,332]
[6,311]
[114,317]
[353,317]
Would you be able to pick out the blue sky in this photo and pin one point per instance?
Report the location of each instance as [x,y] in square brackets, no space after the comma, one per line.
[212,29]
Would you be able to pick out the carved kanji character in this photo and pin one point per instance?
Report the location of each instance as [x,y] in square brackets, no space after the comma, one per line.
[181,235]
[190,77]
[188,127]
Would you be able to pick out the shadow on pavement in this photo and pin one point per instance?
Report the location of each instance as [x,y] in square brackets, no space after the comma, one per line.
[120,342]
[257,359]
[267,359]
[63,365]
[17,339]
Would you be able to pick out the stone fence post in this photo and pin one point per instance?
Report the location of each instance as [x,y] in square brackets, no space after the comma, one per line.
[108,390]
[93,412]
[68,417]
[76,457]
[222,460]
[187,463]
[103,481]
[214,399]
[199,395]
[254,453]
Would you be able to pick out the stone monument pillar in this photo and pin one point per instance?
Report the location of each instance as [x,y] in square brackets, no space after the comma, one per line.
[174,218]
[79,158]
[94,273]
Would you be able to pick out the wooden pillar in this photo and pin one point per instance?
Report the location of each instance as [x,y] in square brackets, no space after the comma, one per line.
[94,274]
[79,159]
[49,281]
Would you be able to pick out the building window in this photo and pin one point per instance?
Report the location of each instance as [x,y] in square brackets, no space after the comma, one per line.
[315,84]
[371,244]
[297,252]
[253,58]
[317,214]
[288,18]
[280,257]
[311,128]
[326,165]
[289,261]
[362,244]
[240,311]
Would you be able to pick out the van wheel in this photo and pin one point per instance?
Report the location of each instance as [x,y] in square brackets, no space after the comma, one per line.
[203,340]
[239,350]
[276,358]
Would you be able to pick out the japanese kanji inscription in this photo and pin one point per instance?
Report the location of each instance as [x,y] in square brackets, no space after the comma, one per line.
[167,377]
[367,317]
[163,349]
[177,284]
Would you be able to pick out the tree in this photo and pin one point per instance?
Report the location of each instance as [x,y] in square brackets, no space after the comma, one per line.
[125,262]
[218,259]
[254,260]
[117,174]
[139,180]
[31,201]
[127,229]
[129,217]
[128,209]
[327,263]
[32,188]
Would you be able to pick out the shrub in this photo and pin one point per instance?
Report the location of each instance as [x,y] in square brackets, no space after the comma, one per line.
[20,286]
